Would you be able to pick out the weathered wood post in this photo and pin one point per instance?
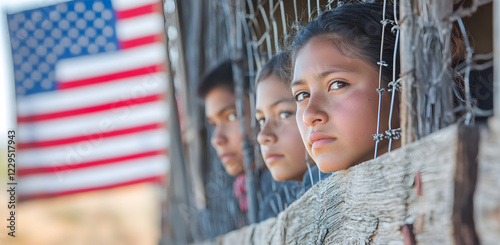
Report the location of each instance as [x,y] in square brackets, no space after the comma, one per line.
[407,68]
[425,67]
[175,229]
[427,102]
[191,34]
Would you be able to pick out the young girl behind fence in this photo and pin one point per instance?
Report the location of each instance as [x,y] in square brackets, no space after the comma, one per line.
[335,84]
[279,138]
[342,61]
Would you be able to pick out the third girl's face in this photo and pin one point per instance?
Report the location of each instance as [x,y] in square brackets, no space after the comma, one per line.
[279,137]
[337,106]
[227,139]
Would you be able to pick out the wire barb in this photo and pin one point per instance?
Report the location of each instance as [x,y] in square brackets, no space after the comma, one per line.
[396,85]
[386,21]
[395,28]
[378,137]
[382,63]
[381,90]
[393,134]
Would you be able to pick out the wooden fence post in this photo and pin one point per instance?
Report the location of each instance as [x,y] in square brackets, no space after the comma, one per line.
[425,67]
[407,69]
[464,232]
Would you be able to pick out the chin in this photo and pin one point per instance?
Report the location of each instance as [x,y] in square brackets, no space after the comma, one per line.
[278,177]
[327,166]
[233,168]
[233,172]
[285,177]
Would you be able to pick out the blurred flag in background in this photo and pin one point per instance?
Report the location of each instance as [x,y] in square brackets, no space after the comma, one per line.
[90,91]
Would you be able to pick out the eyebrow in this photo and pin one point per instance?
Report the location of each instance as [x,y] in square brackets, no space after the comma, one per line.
[276,103]
[296,83]
[281,101]
[320,76]
[223,110]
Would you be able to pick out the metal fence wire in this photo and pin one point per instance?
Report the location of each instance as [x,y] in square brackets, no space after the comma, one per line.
[257,29]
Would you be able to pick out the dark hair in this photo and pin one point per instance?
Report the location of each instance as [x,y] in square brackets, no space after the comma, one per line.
[279,66]
[355,30]
[219,77]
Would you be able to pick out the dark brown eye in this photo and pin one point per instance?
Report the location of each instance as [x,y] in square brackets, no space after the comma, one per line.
[261,121]
[285,114]
[300,96]
[337,84]
[231,117]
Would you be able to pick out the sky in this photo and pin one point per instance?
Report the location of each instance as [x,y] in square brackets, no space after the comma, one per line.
[7,111]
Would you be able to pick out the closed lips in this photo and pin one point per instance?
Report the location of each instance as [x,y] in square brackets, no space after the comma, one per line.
[272,155]
[317,139]
[226,156]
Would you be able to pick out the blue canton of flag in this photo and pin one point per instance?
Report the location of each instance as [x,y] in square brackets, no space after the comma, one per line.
[41,37]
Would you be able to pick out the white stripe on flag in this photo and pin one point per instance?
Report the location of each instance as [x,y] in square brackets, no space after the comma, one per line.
[140,26]
[92,150]
[109,63]
[88,124]
[96,94]
[94,176]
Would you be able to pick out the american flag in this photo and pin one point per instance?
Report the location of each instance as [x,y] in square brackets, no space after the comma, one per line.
[90,85]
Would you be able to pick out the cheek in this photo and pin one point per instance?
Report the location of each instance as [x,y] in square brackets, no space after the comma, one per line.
[291,135]
[234,133]
[263,151]
[358,115]
[300,124]
[296,145]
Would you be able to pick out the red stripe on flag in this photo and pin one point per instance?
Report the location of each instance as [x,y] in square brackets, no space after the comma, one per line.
[132,43]
[134,12]
[48,143]
[110,77]
[91,109]
[156,179]
[115,160]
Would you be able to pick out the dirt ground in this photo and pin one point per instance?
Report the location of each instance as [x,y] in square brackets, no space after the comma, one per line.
[127,215]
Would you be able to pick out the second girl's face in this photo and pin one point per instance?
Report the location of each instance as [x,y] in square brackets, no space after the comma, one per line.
[337,106]
[279,137]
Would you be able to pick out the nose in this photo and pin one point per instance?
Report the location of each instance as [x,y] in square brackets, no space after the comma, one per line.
[314,113]
[218,137]
[266,134]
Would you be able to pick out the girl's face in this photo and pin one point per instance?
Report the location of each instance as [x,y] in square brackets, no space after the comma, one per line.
[227,139]
[279,137]
[337,106]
